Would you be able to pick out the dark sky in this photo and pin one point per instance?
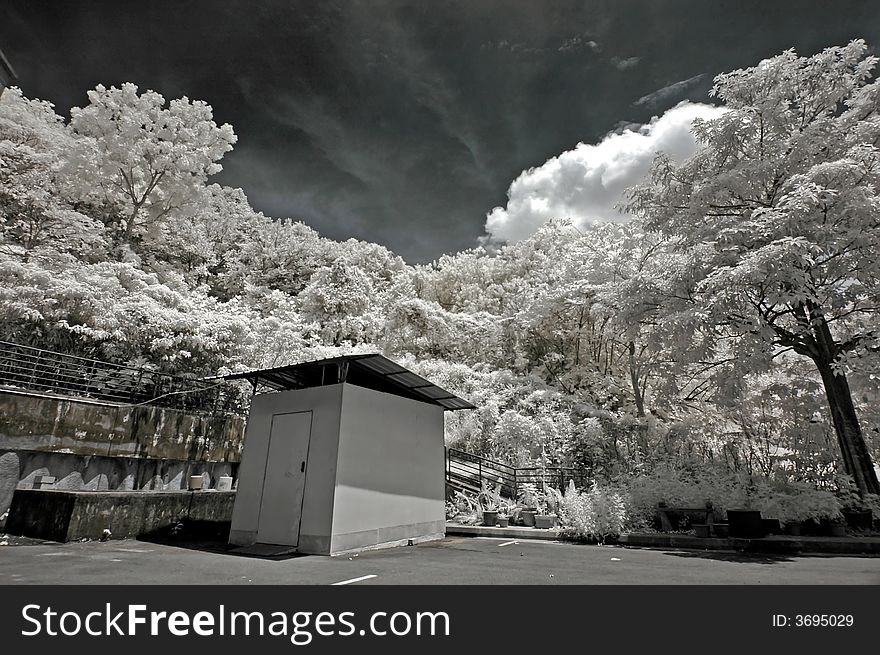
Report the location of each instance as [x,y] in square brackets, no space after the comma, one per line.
[404,122]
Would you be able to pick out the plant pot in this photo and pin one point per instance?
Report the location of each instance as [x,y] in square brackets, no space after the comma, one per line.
[490,518]
[722,530]
[702,530]
[745,523]
[793,528]
[771,526]
[503,521]
[528,517]
[811,527]
[836,529]
[858,519]
[832,527]
[195,482]
[544,521]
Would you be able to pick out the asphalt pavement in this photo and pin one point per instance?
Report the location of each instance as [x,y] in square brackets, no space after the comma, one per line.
[452,561]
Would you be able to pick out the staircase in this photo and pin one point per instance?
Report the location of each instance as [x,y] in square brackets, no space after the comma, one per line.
[467,472]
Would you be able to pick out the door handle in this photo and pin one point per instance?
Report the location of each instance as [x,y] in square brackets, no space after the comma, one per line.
[302,467]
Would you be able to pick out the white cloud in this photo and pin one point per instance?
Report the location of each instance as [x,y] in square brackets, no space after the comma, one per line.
[623,64]
[584,184]
[664,95]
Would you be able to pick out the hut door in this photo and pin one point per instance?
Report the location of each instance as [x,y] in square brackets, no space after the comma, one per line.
[281,505]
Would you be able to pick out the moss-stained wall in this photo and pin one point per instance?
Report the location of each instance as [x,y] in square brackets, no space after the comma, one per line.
[74,515]
[57,424]
[99,446]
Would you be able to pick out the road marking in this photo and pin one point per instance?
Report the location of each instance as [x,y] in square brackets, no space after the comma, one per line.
[363,577]
[532,541]
[507,543]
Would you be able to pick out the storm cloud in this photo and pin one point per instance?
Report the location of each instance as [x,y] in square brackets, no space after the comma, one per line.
[405,122]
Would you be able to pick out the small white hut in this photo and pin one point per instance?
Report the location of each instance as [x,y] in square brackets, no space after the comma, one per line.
[346,454]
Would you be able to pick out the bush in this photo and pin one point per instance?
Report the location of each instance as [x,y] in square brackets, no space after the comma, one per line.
[683,489]
[775,498]
[595,513]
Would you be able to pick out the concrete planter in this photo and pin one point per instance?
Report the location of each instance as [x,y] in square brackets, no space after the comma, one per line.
[745,523]
[859,519]
[771,526]
[73,515]
[835,528]
[528,517]
[793,528]
[544,521]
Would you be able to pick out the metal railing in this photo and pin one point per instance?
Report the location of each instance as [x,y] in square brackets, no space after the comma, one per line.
[555,476]
[468,471]
[35,369]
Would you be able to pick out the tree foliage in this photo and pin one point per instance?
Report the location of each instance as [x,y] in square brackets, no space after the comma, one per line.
[713,331]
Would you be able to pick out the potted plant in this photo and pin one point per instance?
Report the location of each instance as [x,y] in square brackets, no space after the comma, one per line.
[858,517]
[506,509]
[528,499]
[807,510]
[549,501]
[856,511]
[464,508]
[489,500]
[746,522]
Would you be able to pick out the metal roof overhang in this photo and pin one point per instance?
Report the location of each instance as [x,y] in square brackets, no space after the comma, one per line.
[372,371]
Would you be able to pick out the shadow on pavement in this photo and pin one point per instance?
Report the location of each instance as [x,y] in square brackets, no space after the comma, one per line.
[213,537]
[739,557]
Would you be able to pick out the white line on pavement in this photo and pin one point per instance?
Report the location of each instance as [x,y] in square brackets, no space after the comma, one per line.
[363,577]
[508,543]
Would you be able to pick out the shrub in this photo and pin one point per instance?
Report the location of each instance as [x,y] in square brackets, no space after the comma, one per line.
[595,513]
[774,497]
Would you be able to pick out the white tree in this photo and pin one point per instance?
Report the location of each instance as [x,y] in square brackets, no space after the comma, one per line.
[34,213]
[776,219]
[144,158]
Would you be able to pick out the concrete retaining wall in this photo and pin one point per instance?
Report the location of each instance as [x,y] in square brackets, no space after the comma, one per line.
[78,426]
[72,515]
[99,446]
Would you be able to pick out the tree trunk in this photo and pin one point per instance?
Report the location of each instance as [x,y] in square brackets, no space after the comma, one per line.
[639,395]
[856,458]
[634,380]
[853,449]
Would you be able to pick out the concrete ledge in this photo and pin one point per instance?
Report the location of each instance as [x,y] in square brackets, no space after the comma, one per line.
[777,544]
[72,515]
[384,537]
[514,532]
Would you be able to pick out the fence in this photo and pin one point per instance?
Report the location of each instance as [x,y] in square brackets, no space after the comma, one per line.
[469,472]
[34,369]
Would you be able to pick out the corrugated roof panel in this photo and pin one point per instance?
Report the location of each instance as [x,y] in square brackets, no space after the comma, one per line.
[408,379]
[455,403]
[373,371]
[379,364]
[433,391]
